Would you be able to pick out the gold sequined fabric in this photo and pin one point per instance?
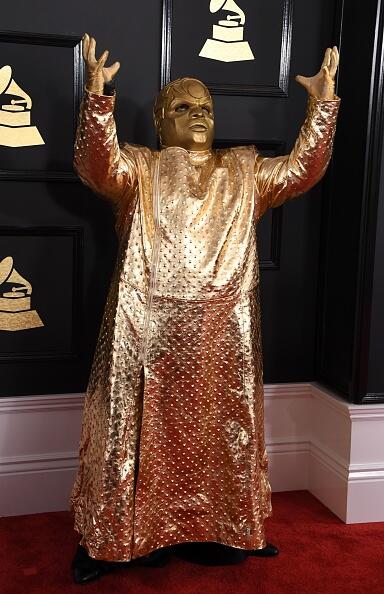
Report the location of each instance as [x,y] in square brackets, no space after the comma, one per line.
[172,447]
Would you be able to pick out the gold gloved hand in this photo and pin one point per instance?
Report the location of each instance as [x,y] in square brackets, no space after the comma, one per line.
[322,85]
[96,73]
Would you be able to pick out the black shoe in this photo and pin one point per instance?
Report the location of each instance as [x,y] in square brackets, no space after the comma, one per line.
[158,558]
[86,569]
[209,553]
[269,551]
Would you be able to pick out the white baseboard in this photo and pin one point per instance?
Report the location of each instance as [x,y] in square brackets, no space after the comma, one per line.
[288,464]
[347,457]
[287,411]
[35,492]
[328,481]
[315,441]
[39,438]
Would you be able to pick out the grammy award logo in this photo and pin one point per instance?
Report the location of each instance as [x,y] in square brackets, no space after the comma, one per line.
[15,114]
[15,300]
[227,43]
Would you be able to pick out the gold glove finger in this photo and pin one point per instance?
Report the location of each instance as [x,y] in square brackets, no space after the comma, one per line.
[112,70]
[85,46]
[92,49]
[334,62]
[303,80]
[103,58]
[327,57]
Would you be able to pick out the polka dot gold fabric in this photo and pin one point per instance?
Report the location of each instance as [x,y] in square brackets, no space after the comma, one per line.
[172,447]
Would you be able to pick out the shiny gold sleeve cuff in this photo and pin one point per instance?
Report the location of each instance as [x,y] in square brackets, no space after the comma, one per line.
[97,156]
[99,103]
[281,178]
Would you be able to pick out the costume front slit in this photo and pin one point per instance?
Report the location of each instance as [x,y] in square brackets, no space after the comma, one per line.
[137,456]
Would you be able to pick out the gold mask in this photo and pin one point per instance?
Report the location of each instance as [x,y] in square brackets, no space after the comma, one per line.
[183,115]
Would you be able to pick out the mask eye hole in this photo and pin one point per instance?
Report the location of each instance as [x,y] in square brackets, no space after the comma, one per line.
[182,108]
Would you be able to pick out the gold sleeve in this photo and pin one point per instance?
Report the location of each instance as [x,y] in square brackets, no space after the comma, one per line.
[98,159]
[279,178]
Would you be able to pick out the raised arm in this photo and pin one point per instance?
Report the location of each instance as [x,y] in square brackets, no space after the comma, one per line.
[98,159]
[281,178]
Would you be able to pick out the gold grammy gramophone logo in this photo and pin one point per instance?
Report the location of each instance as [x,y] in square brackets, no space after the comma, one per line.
[15,300]
[15,114]
[227,43]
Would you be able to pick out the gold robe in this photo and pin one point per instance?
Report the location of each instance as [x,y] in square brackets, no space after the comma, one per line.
[172,447]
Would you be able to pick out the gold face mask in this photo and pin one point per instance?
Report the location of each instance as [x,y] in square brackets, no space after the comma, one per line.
[184,115]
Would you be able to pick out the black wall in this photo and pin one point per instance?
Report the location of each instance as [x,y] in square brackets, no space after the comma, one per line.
[301,273]
[376,355]
[351,307]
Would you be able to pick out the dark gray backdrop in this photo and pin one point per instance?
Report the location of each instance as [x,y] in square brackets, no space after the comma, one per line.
[295,244]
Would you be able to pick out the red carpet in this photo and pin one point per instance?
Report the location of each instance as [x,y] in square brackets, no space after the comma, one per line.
[318,555]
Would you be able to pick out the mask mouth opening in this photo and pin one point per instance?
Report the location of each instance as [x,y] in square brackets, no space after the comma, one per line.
[199,126]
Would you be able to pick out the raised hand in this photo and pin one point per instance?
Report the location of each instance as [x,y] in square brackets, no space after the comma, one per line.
[96,73]
[322,85]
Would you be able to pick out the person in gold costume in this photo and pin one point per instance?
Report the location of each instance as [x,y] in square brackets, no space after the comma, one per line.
[172,448]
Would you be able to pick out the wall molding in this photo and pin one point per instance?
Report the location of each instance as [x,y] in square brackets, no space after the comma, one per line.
[347,457]
[24,404]
[39,462]
[334,463]
[315,441]
[362,472]
[296,390]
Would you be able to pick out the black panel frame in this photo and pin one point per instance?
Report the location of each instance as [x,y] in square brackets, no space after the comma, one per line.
[277,147]
[370,196]
[77,234]
[279,90]
[66,41]
[370,126]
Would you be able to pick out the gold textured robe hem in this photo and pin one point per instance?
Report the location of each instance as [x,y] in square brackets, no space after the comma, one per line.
[172,447]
